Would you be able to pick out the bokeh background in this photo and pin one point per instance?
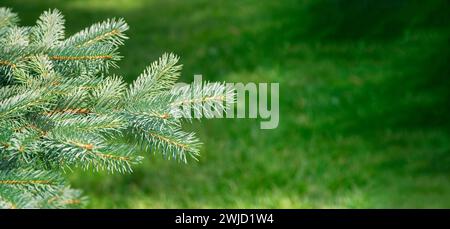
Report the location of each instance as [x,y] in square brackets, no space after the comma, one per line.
[364,101]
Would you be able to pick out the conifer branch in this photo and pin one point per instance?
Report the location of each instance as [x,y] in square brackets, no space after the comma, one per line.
[60,109]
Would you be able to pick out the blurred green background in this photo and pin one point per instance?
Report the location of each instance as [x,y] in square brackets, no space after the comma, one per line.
[364,101]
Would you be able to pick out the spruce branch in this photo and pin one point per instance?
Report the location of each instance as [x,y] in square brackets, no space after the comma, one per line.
[110,31]
[7,19]
[36,182]
[59,109]
[201,98]
[159,76]
[49,29]
[15,37]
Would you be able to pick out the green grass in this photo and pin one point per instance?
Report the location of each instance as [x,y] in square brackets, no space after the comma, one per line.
[364,123]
